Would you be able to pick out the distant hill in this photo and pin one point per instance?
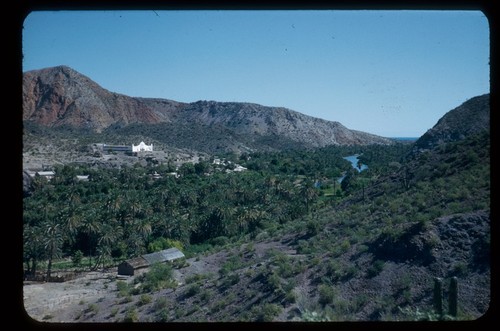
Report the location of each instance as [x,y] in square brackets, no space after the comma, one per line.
[471,117]
[60,96]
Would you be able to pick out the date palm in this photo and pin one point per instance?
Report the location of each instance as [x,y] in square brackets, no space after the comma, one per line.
[308,194]
[52,242]
[90,226]
[143,228]
[108,235]
[33,248]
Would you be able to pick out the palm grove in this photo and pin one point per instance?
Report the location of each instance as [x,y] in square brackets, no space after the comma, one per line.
[123,213]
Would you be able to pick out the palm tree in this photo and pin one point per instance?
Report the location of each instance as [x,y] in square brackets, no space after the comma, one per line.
[308,194]
[33,249]
[109,234]
[143,228]
[250,219]
[71,220]
[215,224]
[135,244]
[114,202]
[90,226]
[52,242]
[241,221]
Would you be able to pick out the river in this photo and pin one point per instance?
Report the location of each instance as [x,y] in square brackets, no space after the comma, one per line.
[354,162]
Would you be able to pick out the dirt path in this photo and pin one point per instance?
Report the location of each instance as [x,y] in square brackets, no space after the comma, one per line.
[63,300]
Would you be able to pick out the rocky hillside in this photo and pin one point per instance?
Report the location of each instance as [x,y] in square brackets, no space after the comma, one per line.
[60,96]
[472,117]
[247,118]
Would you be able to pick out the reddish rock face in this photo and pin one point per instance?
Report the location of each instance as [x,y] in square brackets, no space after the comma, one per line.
[61,96]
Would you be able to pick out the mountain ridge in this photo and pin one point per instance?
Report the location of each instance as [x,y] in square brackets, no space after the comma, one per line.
[60,95]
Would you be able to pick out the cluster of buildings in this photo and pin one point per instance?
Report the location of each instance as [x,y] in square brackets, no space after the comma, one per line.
[49,174]
[128,149]
[221,165]
[224,163]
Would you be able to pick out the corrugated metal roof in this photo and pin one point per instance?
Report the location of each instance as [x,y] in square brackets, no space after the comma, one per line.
[138,262]
[162,256]
[46,173]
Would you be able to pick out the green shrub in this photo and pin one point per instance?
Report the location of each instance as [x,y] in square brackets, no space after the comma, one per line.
[123,288]
[290,297]
[160,303]
[163,315]
[326,294]
[92,308]
[376,268]
[345,245]
[113,312]
[219,241]
[77,257]
[194,278]
[312,228]
[217,306]
[266,312]
[231,280]
[206,295]
[273,282]
[460,269]
[131,316]
[158,277]
[144,300]
[192,290]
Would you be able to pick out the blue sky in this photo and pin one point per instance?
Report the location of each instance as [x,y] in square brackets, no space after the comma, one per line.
[391,73]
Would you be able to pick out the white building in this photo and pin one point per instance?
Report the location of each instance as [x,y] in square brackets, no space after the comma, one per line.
[239,168]
[84,178]
[142,147]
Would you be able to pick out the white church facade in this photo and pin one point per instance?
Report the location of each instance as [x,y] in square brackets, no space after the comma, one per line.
[142,147]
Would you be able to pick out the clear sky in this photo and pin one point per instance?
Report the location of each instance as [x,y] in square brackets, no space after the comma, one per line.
[391,73]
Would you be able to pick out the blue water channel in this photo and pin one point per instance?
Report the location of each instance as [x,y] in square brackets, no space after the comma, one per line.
[354,162]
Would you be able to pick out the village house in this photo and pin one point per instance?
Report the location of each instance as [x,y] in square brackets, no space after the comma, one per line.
[47,174]
[128,267]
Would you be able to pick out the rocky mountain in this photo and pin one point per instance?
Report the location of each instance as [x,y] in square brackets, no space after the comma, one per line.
[471,117]
[60,96]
